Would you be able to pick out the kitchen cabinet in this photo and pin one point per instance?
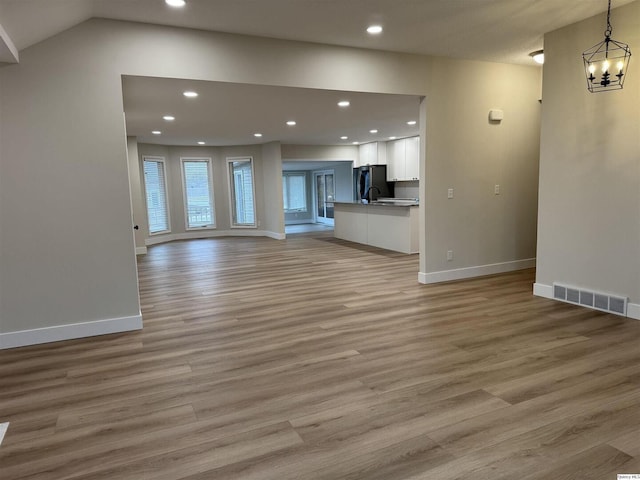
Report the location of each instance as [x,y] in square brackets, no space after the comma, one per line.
[412,158]
[391,227]
[403,159]
[395,152]
[373,153]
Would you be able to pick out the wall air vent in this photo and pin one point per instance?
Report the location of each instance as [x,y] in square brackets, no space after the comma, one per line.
[588,298]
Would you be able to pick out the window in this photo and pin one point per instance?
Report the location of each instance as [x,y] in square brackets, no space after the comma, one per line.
[241,188]
[155,185]
[198,192]
[294,191]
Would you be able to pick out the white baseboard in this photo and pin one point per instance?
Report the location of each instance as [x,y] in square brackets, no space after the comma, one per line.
[275,235]
[542,290]
[171,237]
[633,311]
[308,221]
[69,332]
[546,291]
[141,250]
[479,271]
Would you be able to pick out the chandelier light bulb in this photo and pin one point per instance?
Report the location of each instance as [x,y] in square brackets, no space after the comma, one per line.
[592,68]
[605,66]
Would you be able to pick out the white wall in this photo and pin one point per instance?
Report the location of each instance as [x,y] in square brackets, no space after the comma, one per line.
[268,189]
[272,181]
[464,151]
[589,222]
[68,256]
[320,152]
[268,169]
[343,176]
[137,196]
[67,246]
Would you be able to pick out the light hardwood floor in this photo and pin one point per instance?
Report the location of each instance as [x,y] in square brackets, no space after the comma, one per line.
[313,358]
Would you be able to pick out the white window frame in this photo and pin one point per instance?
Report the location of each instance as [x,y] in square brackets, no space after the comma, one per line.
[231,188]
[303,174]
[206,160]
[166,192]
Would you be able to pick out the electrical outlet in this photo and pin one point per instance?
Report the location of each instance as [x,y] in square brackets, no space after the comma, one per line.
[450,193]
[449,255]
[496,189]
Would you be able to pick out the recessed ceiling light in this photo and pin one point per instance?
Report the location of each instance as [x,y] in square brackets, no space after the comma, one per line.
[200,143]
[373,131]
[175,3]
[344,103]
[411,122]
[374,29]
[344,137]
[355,143]
[190,94]
[157,132]
[257,134]
[291,123]
[169,118]
[392,138]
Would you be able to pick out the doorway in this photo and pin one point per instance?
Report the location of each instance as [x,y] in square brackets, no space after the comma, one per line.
[324,186]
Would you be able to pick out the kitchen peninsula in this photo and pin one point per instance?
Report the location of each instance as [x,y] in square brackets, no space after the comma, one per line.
[387,223]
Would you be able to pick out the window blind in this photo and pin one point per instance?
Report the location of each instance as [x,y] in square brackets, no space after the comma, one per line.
[198,193]
[156,193]
[294,192]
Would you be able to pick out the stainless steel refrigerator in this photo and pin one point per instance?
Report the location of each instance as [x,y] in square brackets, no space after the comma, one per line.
[370,183]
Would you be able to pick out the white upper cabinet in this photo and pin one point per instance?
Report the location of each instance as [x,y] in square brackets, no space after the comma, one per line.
[403,159]
[373,153]
[412,158]
[395,160]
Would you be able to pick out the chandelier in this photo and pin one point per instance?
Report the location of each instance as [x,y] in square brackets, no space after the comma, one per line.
[607,62]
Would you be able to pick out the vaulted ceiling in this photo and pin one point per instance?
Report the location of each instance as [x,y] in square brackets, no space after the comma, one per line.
[491,30]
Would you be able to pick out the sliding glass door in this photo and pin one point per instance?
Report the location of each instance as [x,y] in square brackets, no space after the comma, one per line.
[324,196]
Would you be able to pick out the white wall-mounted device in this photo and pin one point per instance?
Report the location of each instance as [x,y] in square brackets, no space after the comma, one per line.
[496,115]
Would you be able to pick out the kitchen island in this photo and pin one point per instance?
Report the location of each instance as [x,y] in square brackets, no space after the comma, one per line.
[389,225]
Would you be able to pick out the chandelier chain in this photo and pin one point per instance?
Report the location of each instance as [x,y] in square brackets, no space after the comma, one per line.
[607,32]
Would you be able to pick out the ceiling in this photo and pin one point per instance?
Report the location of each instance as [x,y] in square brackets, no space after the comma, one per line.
[228,114]
[231,113]
[490,30]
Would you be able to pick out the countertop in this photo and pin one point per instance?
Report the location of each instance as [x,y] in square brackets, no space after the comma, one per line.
[378,204]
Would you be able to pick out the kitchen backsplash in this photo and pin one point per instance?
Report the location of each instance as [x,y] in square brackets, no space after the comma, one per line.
[406,190]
